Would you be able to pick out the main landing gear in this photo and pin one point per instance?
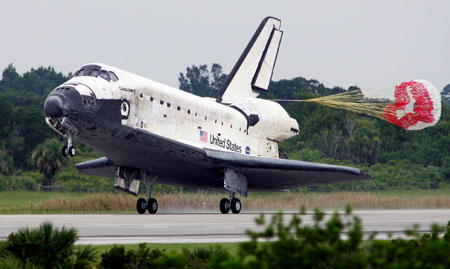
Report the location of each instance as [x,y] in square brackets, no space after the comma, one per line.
[143,205]
[129,179]
[69,150]
[149,204]
[234,205]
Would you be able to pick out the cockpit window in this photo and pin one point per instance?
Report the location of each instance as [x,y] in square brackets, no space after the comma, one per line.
[76,73]
[113,76]
[104,74]
[82,72]
[96,71]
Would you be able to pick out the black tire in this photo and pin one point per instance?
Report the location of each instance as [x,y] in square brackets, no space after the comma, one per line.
[236,206]
[141,205]
[72,151]
[152,206]
[65,151]
[225,206]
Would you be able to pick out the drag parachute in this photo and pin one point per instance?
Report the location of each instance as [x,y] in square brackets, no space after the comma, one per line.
[417,105]
[412,105]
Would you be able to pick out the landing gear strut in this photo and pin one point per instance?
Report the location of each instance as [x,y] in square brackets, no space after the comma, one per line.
[149,204]
[234,205]
[69,150]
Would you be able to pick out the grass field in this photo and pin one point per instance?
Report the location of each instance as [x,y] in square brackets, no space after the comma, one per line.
[230,247]
[17,202]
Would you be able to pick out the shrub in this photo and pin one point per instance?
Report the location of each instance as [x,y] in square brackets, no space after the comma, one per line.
[84,256]
[44,246]
[114,258]
[171,260]
[12,262]
[205,257]
[9,183]
[117,257]
[322,245]
[3,251]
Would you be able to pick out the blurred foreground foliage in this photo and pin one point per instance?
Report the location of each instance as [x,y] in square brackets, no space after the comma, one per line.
[45,247]
[284,242]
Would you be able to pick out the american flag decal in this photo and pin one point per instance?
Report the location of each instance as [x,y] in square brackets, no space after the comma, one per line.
[203,136]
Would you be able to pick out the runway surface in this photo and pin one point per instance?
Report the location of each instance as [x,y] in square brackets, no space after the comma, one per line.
[205,227]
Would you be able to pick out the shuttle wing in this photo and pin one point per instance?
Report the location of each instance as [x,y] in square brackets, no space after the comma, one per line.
[203,168]
[279,174]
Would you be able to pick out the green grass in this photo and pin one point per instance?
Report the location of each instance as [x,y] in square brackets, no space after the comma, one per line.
[20,202]
[19,199]
[231,247]
[445,190]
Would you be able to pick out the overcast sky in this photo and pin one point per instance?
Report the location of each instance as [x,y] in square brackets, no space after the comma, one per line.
[339,43]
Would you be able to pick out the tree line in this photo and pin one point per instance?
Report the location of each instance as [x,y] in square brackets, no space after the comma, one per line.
[29,149]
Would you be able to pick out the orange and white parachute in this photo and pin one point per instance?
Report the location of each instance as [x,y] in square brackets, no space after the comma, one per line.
[412,105]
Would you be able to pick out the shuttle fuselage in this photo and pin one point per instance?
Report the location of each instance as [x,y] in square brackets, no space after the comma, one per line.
[169,112]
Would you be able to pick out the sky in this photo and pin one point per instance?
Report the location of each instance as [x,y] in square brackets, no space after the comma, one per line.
[339,43]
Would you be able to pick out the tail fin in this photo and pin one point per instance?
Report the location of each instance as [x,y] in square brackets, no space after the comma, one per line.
[253,71]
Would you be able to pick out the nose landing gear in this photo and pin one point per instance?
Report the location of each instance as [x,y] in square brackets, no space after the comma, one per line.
[69,150]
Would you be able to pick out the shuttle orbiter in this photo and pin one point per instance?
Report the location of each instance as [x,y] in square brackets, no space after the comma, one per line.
[150,132]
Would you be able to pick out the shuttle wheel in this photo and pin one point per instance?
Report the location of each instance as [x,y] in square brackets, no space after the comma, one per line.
[152,206]
[65,151]
[235,206]
[72,151]
[225,205]
[141,205]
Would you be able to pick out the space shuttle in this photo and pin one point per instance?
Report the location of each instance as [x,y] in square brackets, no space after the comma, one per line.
[153,133]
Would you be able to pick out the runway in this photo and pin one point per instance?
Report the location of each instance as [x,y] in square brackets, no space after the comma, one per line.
[100,229]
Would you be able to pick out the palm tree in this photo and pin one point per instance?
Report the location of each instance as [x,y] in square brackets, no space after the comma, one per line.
[6,162]
[85,255]
[48,159]
[45,246]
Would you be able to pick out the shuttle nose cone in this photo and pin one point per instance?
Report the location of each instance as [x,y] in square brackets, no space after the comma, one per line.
[53,106]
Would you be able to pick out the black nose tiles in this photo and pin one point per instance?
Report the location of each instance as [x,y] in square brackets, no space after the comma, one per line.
[53,106]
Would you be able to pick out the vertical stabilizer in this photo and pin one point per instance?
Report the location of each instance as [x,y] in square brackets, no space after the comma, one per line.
[253,71]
